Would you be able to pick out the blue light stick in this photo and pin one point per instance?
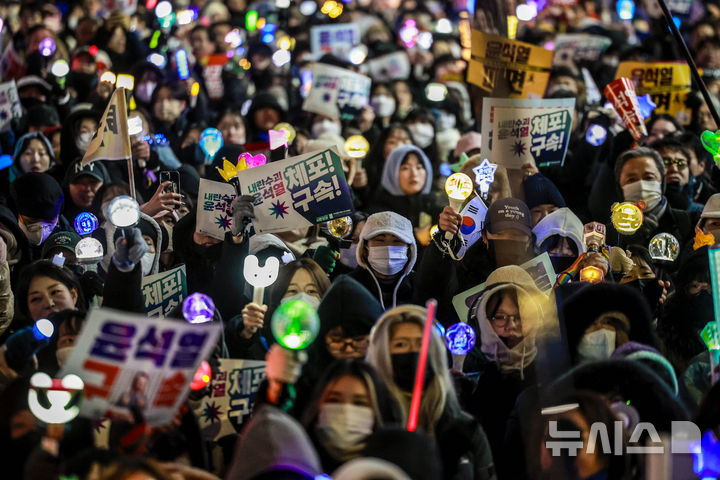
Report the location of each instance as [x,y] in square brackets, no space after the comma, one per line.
[183,68]
[198,308]
[460,338]
[85,223]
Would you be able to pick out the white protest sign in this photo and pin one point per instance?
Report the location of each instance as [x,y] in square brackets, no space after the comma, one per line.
[214,215]
[128,360]
[231,396]
[164,291]
[297,192]
[579,47]
[540,269]
[9,104]
[393,66]
[337,92]
[521,131]
[335,39]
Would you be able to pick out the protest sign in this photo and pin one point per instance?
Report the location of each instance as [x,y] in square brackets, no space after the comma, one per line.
[214,215]
[231,397]
[337,92]
[520,131]
[127,7]
[212,74]
[540,269]
[508,68]
[9,104]
[11,65]
[335,39]
[297,192]
[112,138]
[668,84]
[579,48]
[128,360]
[393,66]
[164,291]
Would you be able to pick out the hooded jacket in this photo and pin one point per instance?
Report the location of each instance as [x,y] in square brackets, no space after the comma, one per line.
[398,289]
[68,150]
[561,222]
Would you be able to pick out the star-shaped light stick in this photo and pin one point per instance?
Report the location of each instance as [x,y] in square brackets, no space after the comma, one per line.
[484,176]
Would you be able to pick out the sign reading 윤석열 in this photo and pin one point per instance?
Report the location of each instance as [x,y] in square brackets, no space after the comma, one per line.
[231,396]
[214,214]
[337,39]
[520,130]
[297,192]
[128,360]
[508,68]
[668,84]
[337,92]
[164,291]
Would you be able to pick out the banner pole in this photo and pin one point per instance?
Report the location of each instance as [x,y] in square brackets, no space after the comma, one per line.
[131,178]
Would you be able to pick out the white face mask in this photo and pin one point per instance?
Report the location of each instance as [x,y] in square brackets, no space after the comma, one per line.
[649,191]
[144,91]
[445,121]
[388,260]
[147,262]
[347,256]
[63,355]
[326,126]
[82,142]
[37,233]
[597,345]
[344,425]
[309,299]
[422,133]
[383,105]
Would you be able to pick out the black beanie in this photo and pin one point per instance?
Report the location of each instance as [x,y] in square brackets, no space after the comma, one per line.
[539,190]
[37,195]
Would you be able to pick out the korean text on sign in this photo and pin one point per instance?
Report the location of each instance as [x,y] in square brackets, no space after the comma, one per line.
[115,347]
[164,291]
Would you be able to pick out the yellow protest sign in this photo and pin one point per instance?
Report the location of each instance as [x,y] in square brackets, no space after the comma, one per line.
[668,84]
[508,68]
[112,139]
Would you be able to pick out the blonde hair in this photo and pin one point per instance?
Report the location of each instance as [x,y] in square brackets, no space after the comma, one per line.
[439,394]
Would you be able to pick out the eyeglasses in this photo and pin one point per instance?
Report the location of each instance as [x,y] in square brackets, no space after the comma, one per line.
[502,320]
[674,161]
[341,343]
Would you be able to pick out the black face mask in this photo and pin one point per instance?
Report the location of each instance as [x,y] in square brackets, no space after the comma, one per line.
[508,252]
[404,365]
[561,263]
[698,309]
[650,288]
[210,254]
[676,197]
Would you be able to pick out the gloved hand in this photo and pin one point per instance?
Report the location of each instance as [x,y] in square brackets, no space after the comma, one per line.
[326,257]
[21,346]
[92,284]
[129,251]
[283,365]
[242,210]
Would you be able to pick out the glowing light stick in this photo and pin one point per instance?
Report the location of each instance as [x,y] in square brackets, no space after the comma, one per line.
[43,329]
[183,69]
[260,277]
[358,54]
[202,376]
[626,217]
[47,47]
[714,257]
[251,19]
[85,223]
[135,126]
[198,308]
[211,140]
[485,176]
[596,135]
[194,92]
[288,128]
[664,247]
[625,9]
[5,161]
[89,251]
[295,325]
[711,337]
[278,138]
[460,339]
[60,68]
[108,77]
[123,211]
[252,161]
[436,92]
[646,105]
[711,142]
[125,81]
[421,366]
[36,337]
[527,11]
[340,227]
[58,259]
[512,22]
[458,187]
[163,9]
[357,147]
[308,7]
[591,274]
[62,395]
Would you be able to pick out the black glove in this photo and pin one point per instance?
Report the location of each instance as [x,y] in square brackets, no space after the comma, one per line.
[21,346]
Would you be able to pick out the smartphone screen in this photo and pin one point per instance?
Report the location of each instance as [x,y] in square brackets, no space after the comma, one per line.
[172,176]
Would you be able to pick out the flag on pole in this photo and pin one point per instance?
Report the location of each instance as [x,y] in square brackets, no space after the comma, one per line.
[112,139]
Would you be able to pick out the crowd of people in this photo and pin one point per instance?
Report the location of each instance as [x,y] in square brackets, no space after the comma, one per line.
[616,350]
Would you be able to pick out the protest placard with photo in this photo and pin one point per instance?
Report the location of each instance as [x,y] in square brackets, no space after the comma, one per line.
[337,39]
[520,131]
[298,192]
[214,215]
[9,104]
[128,360]
[393,66]
[337,92]
[164,291]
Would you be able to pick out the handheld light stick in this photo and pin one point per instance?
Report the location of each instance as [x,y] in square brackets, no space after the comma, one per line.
[711,142]
[53,400]
[183,69]
[460,339]
[260,277]
[291,133]
[421,366]
[711,337]
[357,147]
[484,177]
[85,223]
[202,376]
[714,257]
[198,308]
[664,249]
[125,81]
[626,217]
[591,274]
[25,343]
[123,212]
[58,259]
[458,187]
[194,92]
[211,140]
[295,325]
